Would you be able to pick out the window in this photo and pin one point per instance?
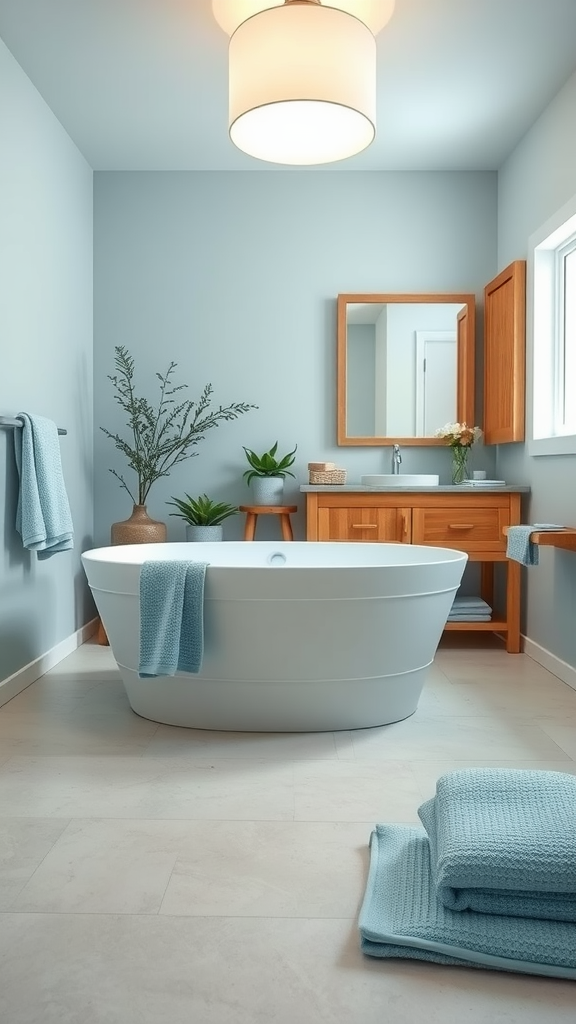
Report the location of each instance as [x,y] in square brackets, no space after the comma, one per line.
[565,421]
[552,298]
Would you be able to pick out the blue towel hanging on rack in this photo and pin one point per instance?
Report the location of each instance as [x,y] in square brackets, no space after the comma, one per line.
[43,517]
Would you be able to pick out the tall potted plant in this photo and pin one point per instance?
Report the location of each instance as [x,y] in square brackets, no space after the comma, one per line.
[160,437]
[266,475]
[203,516]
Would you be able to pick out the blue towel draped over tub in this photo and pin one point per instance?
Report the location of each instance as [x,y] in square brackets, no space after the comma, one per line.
[171,617]
[43,517]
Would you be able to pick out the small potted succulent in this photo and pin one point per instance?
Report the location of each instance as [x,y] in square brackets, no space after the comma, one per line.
[266,475]
[203,516]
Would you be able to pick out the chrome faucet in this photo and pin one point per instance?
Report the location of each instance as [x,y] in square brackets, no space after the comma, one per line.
[396,459]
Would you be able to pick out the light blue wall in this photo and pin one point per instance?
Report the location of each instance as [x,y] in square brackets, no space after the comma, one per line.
[538,179]
[46,354]
[235,277]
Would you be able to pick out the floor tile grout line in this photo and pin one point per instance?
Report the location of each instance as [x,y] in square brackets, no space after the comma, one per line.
[169,879]
[57,840]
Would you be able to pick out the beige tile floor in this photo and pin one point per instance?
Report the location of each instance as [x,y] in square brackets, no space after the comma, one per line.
[151,874]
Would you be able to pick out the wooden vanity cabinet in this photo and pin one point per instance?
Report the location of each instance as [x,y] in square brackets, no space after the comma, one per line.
[472,522]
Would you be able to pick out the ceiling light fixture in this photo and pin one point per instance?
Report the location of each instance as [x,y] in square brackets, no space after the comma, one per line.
[302,76]
[231,13]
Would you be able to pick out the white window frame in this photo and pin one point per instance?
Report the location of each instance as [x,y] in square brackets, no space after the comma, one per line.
[548,435]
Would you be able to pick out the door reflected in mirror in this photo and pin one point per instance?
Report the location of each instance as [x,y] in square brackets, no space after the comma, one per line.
[405,366]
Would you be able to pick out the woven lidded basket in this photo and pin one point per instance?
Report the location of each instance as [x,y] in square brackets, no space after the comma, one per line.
[327,476]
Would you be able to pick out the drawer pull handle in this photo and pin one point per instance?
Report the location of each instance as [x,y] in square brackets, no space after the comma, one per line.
[364,526]
[461,526]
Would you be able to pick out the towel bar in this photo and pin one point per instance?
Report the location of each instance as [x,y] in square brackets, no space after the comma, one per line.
[9,421]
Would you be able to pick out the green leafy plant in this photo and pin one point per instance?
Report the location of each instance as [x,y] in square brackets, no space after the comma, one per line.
[202,511]
[161,436]
[267,464]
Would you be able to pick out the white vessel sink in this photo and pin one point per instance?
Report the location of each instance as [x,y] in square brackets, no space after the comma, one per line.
[401,480]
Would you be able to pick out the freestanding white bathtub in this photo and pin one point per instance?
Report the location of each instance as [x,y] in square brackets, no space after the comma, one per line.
[298,636]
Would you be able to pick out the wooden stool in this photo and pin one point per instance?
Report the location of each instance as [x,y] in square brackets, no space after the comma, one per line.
[253,511]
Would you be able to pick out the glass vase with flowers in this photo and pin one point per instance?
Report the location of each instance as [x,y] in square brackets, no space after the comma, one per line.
[460,437]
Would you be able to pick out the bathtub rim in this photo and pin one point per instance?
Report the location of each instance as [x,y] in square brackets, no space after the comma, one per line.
[444,555]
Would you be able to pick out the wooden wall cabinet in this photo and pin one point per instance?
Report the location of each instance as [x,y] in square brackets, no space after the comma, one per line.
[471,522]
[505,355]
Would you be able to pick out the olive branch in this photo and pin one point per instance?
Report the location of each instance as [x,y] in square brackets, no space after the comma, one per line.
[161,437]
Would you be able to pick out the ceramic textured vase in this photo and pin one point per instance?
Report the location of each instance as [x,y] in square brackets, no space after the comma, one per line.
[194,532]
[460,463]
[138,529]
[267,490]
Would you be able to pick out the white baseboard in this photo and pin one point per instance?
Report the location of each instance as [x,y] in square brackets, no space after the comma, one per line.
[19,680]
[564,671]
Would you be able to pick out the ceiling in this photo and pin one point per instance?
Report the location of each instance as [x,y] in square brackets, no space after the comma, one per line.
[142,84]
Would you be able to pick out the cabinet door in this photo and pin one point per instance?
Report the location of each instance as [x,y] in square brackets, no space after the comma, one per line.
[504,355]
[365,524]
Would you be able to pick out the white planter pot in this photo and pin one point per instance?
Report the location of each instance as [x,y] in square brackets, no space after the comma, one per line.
[267,490]
[200,533]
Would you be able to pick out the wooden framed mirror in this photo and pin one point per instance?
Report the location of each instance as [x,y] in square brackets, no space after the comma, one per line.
[405,367]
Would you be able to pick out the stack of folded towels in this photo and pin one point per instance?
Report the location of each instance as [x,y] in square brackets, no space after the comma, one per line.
[470,609]
[489,881]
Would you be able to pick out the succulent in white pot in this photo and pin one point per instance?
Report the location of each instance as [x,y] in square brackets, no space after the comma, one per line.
[267,473]
[203,516]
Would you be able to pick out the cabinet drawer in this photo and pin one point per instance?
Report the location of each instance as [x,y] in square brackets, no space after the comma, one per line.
[467,529]
[364,523]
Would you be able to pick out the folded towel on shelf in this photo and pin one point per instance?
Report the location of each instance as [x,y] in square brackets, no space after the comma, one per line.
[43,517]
[171,617]
[468,617]
[503,841]
[471,604]
[520,547]
[401,916]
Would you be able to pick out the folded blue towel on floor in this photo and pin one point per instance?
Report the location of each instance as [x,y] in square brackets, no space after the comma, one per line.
[171,617]
[401,916]
[43,517]
[503,841]
[520,547]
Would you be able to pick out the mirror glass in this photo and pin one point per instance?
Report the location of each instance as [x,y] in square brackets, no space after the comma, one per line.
[405,366]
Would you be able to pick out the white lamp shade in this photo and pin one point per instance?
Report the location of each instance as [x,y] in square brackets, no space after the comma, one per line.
[231,13]
[293,98]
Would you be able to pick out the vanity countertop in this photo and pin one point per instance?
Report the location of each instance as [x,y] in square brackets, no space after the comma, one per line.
[436,489]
